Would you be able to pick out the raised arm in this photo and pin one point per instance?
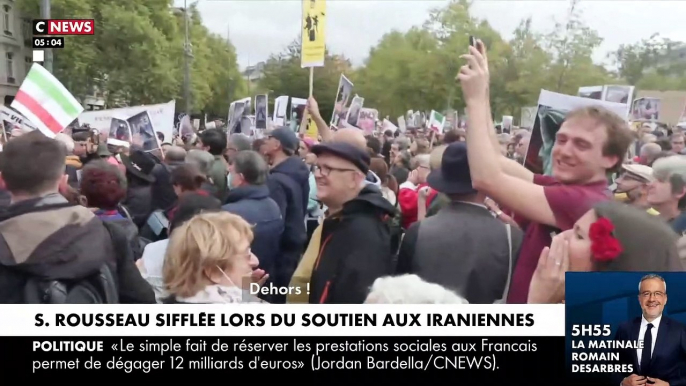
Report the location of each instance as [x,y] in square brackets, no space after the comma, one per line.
[322,126]
[486,168]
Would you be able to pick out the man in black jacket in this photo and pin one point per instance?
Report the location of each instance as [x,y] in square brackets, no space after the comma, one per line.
[355,237]
[289,187]
[42,235]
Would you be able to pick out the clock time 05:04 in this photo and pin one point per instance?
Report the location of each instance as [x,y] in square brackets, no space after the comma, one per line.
[48,42]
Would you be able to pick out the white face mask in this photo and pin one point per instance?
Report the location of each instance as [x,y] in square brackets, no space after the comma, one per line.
[245,293]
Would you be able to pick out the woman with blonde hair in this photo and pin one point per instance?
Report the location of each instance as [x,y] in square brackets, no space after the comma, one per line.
[209,261]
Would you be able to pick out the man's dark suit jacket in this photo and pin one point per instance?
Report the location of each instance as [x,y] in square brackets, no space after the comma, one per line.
[668,362]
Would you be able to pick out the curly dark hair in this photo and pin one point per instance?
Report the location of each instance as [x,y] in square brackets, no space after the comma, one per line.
[103,185]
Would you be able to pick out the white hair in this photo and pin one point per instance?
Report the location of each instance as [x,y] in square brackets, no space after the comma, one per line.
[673,165]
[423,160]
[410,289]
[652,276]
[66,140]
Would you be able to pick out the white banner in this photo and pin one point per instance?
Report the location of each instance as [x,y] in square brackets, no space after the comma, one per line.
[9,115]
[162,116]
[283,320]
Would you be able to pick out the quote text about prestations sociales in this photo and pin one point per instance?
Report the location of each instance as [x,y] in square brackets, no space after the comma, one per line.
[208,319]
[197,354]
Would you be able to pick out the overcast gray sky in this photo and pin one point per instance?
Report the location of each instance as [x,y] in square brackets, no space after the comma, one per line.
[260,27]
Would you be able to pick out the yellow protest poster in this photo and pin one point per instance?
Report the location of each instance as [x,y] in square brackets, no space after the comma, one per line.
[312,131]
[313,35]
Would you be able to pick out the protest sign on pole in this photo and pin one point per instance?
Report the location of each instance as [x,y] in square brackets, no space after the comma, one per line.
[354,111]
[261,112]
[313,36]
[44,101]
[119,132]
[143,131]
[646,109]
[345,88]
[367,120]
[313,43]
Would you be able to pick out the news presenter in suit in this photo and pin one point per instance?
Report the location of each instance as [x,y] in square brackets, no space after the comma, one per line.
[662,361]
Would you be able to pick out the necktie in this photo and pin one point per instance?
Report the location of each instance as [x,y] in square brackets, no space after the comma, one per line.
[646,351]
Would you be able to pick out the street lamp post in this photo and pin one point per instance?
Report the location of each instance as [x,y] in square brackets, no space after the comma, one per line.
[187,58]
[45,14]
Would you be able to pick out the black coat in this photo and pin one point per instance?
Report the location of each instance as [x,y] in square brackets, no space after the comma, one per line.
[355,250]
[162,191]
[253,204]
[138,202]
[289,187]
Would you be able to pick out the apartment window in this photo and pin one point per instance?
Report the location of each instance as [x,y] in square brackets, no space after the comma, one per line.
[7,19]
[9,57]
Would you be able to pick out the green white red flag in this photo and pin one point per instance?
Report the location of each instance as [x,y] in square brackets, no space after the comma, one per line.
[44,101]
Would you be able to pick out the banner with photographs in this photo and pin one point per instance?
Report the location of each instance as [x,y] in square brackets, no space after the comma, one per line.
[280,110]
[367,120]
[143,132]
[340,107]
[261,111]
[552,110]
[11,120]
[646,109]
[298,106]
[162,115]
[120,132]
[354,111]
[591,92]
[436,122]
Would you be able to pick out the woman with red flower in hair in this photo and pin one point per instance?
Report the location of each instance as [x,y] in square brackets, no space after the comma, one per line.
[103,188]
[610,237]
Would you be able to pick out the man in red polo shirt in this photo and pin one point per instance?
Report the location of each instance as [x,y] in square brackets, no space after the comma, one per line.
[591,142]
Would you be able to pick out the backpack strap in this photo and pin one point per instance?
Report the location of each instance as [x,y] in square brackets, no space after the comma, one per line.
[506,292]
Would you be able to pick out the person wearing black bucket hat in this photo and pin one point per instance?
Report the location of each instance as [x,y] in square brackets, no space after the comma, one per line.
[463,247]
[139,179]
[355,241]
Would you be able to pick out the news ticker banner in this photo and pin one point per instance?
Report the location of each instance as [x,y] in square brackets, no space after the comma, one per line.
[273,344]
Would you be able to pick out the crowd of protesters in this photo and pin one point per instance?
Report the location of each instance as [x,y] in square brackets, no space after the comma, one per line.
[411,217]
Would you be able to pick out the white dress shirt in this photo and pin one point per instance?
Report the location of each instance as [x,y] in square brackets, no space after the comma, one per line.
[653,333]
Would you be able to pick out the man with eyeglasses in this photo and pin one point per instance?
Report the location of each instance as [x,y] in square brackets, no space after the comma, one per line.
[661,359]
[354,248]
[632,186]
